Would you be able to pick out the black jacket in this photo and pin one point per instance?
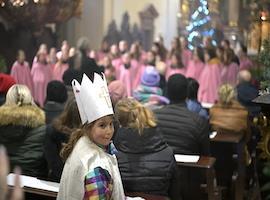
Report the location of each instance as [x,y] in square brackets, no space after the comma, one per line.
[146,163]
[246,92]
[54,140]
[186,132]
[52,110]
[22,132]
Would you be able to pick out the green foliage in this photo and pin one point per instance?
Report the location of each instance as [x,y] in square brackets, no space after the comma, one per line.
[264,60]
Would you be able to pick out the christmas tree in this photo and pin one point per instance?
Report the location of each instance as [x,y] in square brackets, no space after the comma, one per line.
[199,25]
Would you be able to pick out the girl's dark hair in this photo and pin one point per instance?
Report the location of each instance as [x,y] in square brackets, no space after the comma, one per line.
[69,120]
[200,53]
[211,52]
[179,59]
[192,88]
[228,56]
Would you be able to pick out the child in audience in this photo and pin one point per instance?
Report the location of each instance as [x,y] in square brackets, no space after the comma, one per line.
[20,71]
[145,160]
[58,134]
[192,102]
[91,170]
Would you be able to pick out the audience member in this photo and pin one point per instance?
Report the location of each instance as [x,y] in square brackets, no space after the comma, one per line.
[21,72]
[186,132]
[6,81]
[22,128]
[117,91]
[149,93]
[58,134]
[192,101]
[55,100]
[145,161]
[246,92]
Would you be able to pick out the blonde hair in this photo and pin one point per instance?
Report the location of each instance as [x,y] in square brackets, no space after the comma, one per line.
[19,95]
[226,94]
[130,113]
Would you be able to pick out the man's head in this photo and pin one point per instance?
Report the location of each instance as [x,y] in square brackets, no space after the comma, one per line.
[57,92]
[244,76]
[177,88]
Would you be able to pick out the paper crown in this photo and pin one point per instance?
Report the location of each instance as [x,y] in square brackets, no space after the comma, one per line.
[92,98]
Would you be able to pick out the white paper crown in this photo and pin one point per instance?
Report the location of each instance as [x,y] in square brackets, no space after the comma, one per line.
[92,98]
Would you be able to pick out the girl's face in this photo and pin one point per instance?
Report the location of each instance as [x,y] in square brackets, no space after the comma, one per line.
[206,57]
[195,55]
[21,57]
[174,60]
[102,131]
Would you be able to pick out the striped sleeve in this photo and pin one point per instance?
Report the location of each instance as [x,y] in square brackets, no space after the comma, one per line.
[98,185]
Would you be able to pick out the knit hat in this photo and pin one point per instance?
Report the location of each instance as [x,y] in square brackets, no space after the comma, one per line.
[177,88]
[6,81]
[56,91]
[117,91]
[150,76]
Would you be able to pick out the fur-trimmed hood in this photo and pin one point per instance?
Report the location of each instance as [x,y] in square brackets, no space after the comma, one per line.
[27,116]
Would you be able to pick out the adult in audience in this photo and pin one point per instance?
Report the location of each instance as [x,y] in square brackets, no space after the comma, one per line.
[149,93]
[57,134]
[22,128]
[6,81]
[55,100]
[145,161]
[186,132]
[192,102]
[246,92]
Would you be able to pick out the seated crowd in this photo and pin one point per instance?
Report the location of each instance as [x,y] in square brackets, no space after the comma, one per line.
[108,123]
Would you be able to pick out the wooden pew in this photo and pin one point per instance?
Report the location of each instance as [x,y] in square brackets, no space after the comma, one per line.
[238,176]
[207,164]
[47,194]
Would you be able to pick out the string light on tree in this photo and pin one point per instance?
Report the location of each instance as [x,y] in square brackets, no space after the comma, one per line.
[199,25]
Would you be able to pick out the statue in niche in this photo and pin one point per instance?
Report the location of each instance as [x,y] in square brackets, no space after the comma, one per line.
[147,17]
[113,36]
[136,33]
[125,30]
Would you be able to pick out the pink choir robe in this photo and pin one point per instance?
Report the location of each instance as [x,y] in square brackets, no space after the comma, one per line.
[194,69]
[245,63]
[42,75]
[22,75]
[186,57]
[171,71]
[59,70]
[117,62]
[210,81]
[229,74]
[131,77]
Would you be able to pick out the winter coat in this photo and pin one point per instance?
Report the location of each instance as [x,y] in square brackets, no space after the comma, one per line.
[22,132]
[54,141]
[186,132]
[146,163]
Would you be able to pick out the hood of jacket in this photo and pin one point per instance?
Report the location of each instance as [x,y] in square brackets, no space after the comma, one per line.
[26,116]
[129,141]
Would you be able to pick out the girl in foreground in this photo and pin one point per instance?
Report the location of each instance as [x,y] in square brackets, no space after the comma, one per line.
[91,169]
